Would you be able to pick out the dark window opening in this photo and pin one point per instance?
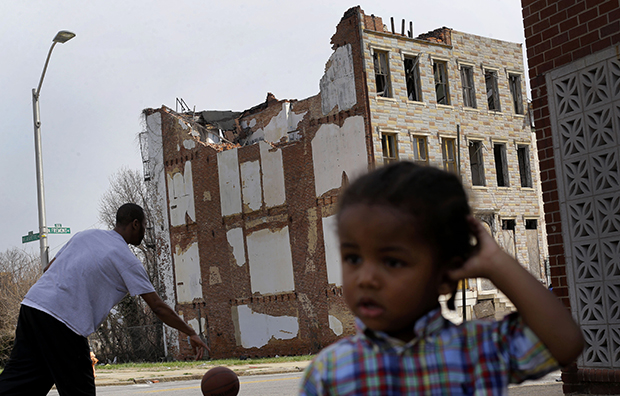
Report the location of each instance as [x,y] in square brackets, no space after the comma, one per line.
[382,74]
[390,151]
[523,154]
[531,224]
[515,90]
[469,92]
[508,224]
[501,165]
[440,73]
[476,162]
[490,79]
[412,76]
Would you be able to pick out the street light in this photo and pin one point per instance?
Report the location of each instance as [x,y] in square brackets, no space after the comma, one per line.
[61,37]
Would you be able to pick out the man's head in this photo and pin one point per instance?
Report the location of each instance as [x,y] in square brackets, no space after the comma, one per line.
[131,223]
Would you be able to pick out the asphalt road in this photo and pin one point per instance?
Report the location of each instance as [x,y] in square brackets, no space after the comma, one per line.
[251,385]
[287,385]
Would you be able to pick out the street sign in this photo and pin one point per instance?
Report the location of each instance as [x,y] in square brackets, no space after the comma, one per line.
[31,237]
[59,230]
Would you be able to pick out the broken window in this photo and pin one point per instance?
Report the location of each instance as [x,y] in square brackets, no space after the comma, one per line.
[382,74]
[476,162]
[469,93]
[440,71]
[412,77]
[389,146]
[501,165]
[448,152]
[523,154]
[515,90]
[490,79]
[419,149]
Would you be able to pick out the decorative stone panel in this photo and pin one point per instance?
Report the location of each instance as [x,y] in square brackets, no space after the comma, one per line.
[585,113]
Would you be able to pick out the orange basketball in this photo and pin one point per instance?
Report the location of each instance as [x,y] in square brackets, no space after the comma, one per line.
[220,381]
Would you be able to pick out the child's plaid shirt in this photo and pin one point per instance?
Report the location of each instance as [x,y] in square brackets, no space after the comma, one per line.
[475,358]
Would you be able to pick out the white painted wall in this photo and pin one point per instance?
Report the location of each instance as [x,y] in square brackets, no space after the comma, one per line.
[338,83]
[271,265]
[235,239]
[332,250]
[273,175]
[156,189]
[181,196]
[336,150]
[187,272]
[250,185]
[335,325]
[256,329]
[230,185]
[279,125]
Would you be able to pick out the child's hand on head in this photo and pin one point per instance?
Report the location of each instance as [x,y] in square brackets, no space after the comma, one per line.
[483,261]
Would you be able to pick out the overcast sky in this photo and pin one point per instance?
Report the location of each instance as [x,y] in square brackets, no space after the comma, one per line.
[136,54]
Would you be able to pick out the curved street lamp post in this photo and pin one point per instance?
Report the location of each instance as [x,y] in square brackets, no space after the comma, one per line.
[61,37]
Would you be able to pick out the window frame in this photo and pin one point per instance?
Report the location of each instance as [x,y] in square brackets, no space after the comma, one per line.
[469,89]
[478,146]
[502,175]
[525,170]
[516,90]
[437,72]
[386,139]
[412,77]
[418,141]
[491,84]
[449,164]
[383,71]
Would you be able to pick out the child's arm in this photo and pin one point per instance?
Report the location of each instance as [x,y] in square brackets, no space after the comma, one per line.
[540,309]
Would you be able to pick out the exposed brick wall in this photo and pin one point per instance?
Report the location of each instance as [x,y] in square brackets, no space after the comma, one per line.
[558,33]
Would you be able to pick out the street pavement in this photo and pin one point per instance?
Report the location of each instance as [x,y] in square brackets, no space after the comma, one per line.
[549,385]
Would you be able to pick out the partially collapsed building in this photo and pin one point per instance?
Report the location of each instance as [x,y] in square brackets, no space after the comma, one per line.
[247,200]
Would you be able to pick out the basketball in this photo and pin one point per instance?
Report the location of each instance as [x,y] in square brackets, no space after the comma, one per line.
[220,381]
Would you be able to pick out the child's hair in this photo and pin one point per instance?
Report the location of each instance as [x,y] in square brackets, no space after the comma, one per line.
[435,200]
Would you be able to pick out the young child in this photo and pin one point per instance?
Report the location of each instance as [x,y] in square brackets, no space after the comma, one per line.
[406,237]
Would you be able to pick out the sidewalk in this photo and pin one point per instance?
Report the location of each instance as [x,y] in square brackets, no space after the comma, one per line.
[140,376]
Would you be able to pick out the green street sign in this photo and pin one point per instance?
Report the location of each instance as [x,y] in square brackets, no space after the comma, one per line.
[59,230]
[31,237]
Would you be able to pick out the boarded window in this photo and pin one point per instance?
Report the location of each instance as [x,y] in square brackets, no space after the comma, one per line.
[501,165]
[389,146]
[508,237]
[515,90]
[533,250]
[440,72]
[469,92]
[523,154]
[448,152]
[420,149]
[412,76]
[490,79]
[382,74]
[476,162]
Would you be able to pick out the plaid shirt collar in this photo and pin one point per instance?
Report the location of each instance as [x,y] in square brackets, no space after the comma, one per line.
[431,323]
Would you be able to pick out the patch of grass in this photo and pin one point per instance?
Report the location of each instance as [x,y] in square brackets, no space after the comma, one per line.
[203,363]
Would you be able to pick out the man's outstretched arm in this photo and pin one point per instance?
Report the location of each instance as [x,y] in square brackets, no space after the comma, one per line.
[170,317]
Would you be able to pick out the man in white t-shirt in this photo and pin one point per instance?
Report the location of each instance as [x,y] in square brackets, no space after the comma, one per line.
[88,276]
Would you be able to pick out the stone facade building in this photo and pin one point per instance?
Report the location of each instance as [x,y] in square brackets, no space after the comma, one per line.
[573,51]
[247,200]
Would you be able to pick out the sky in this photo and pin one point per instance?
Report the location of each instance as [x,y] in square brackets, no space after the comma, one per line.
[131,55]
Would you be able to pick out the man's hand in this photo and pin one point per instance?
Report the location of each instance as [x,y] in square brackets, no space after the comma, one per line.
[198,346]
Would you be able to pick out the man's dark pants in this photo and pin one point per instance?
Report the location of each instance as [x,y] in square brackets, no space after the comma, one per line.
[47,352]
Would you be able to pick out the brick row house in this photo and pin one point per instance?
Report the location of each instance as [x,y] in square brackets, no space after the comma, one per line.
[573,52]
[246,201]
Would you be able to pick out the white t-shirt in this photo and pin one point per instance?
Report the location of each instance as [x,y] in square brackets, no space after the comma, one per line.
[89,276]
